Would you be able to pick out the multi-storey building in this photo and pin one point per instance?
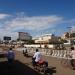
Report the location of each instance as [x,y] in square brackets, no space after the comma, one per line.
[24,36]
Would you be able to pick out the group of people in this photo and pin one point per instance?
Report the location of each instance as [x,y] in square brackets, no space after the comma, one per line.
[11,56]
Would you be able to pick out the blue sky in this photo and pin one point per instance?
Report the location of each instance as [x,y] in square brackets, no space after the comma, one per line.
[36,16]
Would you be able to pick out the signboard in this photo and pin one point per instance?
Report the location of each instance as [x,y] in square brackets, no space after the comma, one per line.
[7,38]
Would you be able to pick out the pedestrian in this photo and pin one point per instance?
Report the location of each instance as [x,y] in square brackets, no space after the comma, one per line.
[46,49]
[10,56]
[72,54]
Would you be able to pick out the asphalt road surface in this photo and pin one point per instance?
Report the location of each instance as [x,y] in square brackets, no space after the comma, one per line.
[23,66]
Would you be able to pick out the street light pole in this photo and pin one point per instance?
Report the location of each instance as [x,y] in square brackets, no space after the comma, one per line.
[69,34]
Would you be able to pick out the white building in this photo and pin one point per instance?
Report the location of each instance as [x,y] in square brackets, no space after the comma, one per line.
[46,38]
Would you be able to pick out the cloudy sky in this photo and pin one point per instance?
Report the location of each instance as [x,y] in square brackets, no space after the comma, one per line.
[36,17]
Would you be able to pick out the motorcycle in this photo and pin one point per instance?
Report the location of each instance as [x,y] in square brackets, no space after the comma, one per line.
[40,66]
[25,53]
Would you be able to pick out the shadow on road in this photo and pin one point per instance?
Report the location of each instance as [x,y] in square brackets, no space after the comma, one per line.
[51,70]
[29,56]
[17,68]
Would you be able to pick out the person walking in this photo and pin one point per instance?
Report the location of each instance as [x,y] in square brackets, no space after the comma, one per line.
[72,54]
[10,56]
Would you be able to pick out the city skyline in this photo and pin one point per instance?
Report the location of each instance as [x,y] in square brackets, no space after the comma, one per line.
[36,17]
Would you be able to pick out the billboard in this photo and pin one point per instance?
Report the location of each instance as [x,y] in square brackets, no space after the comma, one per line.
[7,38]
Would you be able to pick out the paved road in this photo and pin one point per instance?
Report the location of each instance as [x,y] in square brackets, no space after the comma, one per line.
[54,64]
[22,66]
[18,68]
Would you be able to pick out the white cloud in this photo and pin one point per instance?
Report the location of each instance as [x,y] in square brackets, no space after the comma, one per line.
[4,32]
[33,23]
[3,16]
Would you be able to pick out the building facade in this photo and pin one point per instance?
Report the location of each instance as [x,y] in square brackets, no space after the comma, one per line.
[24,36]
[69,37]
[46,38]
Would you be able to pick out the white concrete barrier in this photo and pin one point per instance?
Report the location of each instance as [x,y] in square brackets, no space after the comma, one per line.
[53,53]
[38,45]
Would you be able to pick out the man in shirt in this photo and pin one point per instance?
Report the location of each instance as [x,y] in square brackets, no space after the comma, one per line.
[37,57]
